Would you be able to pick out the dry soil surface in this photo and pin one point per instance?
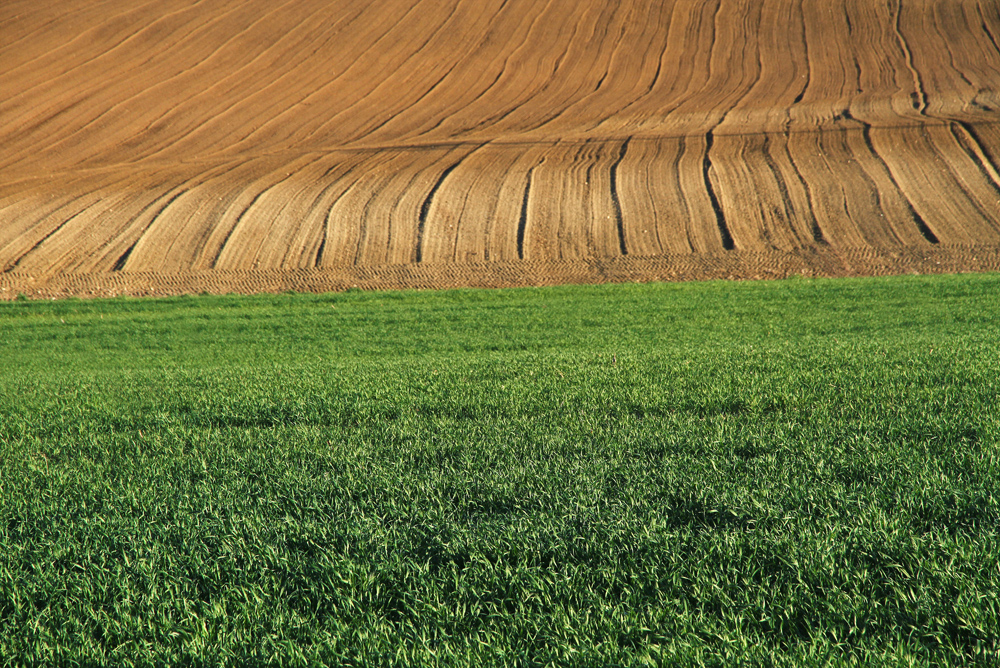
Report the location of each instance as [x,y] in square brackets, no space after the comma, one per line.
[175,146]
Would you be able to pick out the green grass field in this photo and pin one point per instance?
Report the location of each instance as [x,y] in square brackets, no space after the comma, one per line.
[800,472]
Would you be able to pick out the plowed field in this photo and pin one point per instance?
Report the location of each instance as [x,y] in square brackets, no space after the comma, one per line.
[241,145]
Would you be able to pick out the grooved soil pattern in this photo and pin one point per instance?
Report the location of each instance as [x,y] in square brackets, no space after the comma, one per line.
[239,145]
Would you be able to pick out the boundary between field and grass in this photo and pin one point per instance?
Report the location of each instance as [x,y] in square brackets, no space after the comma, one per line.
[730,265]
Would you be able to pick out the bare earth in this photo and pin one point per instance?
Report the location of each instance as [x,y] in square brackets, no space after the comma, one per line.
[175,146]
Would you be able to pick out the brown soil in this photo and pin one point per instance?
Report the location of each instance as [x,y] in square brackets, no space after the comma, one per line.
[175,146]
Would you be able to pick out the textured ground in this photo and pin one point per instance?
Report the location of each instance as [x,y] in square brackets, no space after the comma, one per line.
[243,145]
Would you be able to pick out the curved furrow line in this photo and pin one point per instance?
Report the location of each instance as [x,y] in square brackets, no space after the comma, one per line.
[679,85]
[366,218]
[502,215]
[315,227]
[405,115]
[954,71]
[703,204]
[219,251]
[538,72]
[547,204]
[167,200]
[421,225]
[387,222]
[80,238]
[872,50]
[80,38]
[76,205]
[126,123]
[796,222]
[395,116]
[633,190]
[942,22]
[84,93]
[805,54]
[988,48]
[576,183]
[184,127]
[463,49]
[491,117]
[17,263]
[522,220]
[984,23]
[977,211]
[830,177]
[584,223]
[141,150]
[21,219]
[326,200]
[447,116]
[932,186]
[39,208]
[720,216]
[474,111]
[119,249]
[880,212]
[831,76]
[317,256]
[321,252]
[777,75]
[472,196]
[615,198]
[345,216]
[353,70]
[802,202]
[462,95]
[232,92]
[674,152]
[39,35]
[438,203]
[551,97]
[653,40]
[917,219]
[364,230]
[271,100]
[971,174]
[984,53]
[723,109]
[12,159]
[93,241]
[186,227]
[591,53]
[768,218]
[285,232]
[277,217]
[404,230]
[418,255]
[569,209]
[81,85]
[672,224]
[891,207]
[696,86]
[920,99]
[799,81]
[123,259]
[744,93]
[164,127]
[147,232]
[978,151]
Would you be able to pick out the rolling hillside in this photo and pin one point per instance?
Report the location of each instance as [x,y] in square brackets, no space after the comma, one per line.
[179,145]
